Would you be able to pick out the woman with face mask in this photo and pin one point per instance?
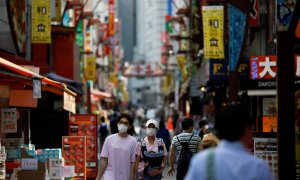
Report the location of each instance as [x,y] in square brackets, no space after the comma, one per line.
[118,153]
[151,154]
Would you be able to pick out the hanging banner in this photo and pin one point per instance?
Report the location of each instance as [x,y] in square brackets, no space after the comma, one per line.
[86,125]
[213,31]
[69,103]
[285,10]
[9,120]
[182,66]
[90,68]
[111,18]
[237,27]
[254,13]
[41,22]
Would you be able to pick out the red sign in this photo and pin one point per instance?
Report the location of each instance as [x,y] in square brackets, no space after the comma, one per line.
[86,125]
[254,13]
[263,67]
[111,18]
[74,153]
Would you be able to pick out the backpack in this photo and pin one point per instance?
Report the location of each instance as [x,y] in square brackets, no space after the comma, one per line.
[186,154]
[103,130]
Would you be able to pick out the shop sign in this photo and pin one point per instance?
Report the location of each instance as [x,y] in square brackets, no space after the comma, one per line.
[237,28]
[86,125]
[219,70]
[269,107]
[90,68]
[140,70]
[266,149]
[263,67]
[297,65]
[213,32]
[41,21]
[56,168]
[182,65]
[269,123]
[9,120]
[254,13]
[69,103]
[285,10]
[111,18]
[74,153]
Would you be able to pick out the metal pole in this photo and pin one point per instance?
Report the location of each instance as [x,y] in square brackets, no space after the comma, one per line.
[286,106]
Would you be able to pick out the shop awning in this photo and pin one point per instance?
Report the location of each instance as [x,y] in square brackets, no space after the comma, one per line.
[71,84]
[97,95]
[17,72]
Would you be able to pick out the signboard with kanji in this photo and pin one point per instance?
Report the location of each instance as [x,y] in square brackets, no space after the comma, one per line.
[9,120]
[90,68]
[41,21]
[213,31]
[263,67]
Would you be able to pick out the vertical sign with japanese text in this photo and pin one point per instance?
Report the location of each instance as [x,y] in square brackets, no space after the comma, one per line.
[86,125]
[263,67]
[111,18]
[9,120]
[213,32]
[90,68]
[41,21]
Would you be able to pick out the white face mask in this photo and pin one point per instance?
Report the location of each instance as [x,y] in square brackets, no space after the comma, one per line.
[151,131]
[122,128]
[206,126]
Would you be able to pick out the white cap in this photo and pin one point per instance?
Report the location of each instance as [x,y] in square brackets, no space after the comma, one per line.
[152,121]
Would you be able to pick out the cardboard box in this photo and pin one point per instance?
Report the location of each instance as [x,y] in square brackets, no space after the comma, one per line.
[31,174]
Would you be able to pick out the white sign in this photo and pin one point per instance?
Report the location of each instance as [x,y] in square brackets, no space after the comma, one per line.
[69,103]
[55,168]
[68,171]
[9,120]
[29,164]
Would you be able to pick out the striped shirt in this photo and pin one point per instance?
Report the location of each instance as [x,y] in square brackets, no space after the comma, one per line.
[184,137]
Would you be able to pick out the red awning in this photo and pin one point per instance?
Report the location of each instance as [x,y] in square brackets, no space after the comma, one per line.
[17,72]
[44,68]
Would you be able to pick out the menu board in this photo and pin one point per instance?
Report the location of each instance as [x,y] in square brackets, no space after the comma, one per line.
[86,125]
[266,149]
[74,153]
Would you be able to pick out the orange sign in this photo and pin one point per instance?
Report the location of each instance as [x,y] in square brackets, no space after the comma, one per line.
[269,123]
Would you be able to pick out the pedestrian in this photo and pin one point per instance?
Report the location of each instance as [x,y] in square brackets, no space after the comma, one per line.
[118,153]
[102,131]
[230,160]
[113,121]
[152,151]
[164,134]
[185,145]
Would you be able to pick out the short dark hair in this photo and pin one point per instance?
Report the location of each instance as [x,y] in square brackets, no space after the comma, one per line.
[231,122]
[203,123]
[187,123]
[127,116]
[102,119]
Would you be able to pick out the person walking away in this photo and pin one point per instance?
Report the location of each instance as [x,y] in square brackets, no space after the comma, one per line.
[230,160]
[113,121]
[152,151]
[118,153]
[102,131]
[185,145]
[164,134]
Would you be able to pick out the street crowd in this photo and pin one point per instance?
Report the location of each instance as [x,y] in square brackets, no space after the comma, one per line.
[193,154]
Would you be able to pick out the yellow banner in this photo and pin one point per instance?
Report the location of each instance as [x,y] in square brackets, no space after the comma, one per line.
[41,21]
[90,68]
[182,65]
[213,32]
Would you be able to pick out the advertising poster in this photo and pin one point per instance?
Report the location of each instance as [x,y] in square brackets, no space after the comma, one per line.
[9,120]
[86,125]
[269,107]
[266,149]
[41,21]
[213,31]
[73,151]
[269,123]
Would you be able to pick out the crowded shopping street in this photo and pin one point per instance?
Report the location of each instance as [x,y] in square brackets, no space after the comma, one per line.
[149,89]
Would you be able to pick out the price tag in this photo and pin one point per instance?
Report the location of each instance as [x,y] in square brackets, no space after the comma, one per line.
[68,171]
[29,164]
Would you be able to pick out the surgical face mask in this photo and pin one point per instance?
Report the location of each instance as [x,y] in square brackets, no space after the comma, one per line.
[206,126]
[122,128]
[151,131]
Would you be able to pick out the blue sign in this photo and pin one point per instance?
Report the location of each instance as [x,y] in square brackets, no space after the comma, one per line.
[218,70]
[237,26]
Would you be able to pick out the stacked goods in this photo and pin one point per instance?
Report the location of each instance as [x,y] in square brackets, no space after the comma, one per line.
[2,162]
